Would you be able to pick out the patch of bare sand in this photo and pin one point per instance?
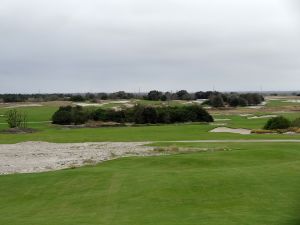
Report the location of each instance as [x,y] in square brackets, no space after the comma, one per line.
[23,105]
[29,157]
[246,114]
[83,104]
[292,101]
[218,124]
[262,117]
[218,120]
[230,130]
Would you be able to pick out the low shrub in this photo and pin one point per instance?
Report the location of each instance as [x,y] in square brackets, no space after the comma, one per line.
[277,123]
[296,123]
[62,117]
[16,119]
[70,115]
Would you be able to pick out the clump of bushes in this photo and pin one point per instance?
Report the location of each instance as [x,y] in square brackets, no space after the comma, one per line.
[139,114]
[281,122]
[155,95]
[220,100]
[277,123]
[109,115]
[67,115]
[216,101]
[235,100]
[167,115]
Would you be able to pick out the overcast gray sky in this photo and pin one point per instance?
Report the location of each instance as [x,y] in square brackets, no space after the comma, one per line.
[110,45]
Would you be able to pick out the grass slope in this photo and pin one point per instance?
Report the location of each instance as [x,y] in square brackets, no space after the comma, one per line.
[254,184]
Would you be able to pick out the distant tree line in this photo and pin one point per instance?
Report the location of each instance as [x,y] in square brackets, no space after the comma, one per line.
[139,114]
[66,97]
[215,99]
[155,95]
[33,97]
[234,100]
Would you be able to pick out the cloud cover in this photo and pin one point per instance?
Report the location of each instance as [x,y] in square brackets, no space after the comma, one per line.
[98,45]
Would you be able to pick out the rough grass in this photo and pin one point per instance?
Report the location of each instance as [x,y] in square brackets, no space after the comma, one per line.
[253,184]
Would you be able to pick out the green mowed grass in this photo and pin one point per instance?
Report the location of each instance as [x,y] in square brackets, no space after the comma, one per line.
[127,134]
[34,114]
[281,103]
[237,121]
[254,184]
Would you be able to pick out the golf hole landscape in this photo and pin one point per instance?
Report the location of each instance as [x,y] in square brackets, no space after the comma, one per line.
[142,161]
[149,112]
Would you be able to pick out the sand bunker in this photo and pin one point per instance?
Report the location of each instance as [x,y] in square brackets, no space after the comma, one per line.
[116,108]
[292,101]
[31,157]
[255,107]
[218,120]
[262,117]
[129,105]
[121,102]
[246,114]
[82,104]
[199,101]
[218,124]
[230,130]
[23,105]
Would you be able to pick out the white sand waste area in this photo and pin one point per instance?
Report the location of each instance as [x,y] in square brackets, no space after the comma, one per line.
[230,130]
[246,114]
[262,117]
[218,124]
[257,106]
[217,120]
[83,104]
[293,101]
[23,105]
[30,157]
